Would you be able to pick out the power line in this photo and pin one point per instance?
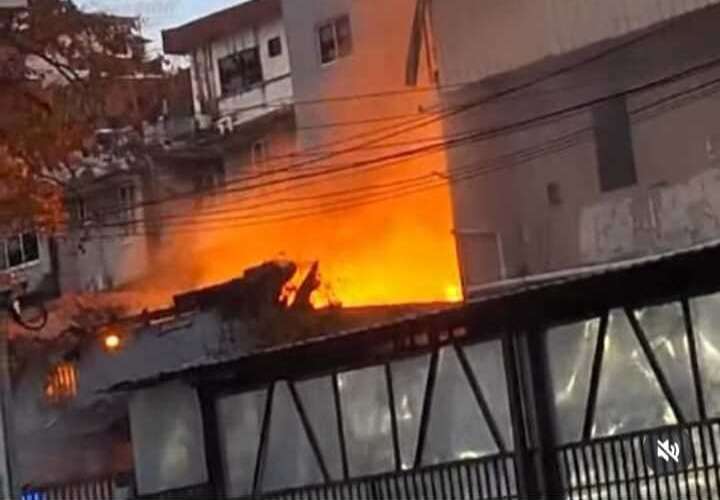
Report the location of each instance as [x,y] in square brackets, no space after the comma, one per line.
[421,182]
[420,123]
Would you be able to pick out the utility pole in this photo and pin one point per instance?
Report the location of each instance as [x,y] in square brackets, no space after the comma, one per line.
[8,482]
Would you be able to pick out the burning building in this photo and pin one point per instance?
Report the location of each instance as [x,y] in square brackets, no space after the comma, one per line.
[293,164]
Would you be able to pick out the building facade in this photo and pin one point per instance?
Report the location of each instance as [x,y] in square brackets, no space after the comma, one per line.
[270,57]
[592,131]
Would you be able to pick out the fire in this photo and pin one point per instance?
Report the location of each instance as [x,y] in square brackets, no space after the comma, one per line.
[397,250]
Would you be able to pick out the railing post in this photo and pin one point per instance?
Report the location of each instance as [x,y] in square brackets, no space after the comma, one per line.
[526,486]
[531,401]
[213,458]
[541,400]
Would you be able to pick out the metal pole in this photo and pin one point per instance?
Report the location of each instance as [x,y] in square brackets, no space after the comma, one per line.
[9,486]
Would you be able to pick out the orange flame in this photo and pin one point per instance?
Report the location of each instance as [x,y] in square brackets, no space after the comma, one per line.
[399,250]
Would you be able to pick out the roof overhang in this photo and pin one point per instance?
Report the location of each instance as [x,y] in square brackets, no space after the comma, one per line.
[183,39]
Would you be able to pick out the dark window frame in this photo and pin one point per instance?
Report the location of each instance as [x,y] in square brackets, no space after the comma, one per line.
[28,253]
[334,39]
[614,145]
[275,46]
[240,71]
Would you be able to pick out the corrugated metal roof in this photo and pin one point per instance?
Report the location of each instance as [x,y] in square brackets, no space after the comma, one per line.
[493,292]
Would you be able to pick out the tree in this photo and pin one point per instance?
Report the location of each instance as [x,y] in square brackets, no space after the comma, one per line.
[56,65]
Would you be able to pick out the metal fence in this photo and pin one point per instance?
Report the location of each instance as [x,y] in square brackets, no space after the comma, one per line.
[488,478]
[637,466]
[96,489]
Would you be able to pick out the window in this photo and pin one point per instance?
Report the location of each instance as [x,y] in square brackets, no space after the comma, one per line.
[61,383]
[613,142]
[126,196]
[259,152]
[203,183]
[206,184]
[274,47]
[553,194]
[240,71]
[335,39]
[18,250]
[78,210]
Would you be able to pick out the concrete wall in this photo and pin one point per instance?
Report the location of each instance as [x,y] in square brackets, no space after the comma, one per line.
[477,39]
[380,37]
[675,145]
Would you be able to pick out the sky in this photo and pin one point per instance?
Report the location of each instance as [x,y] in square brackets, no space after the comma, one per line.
[158,14]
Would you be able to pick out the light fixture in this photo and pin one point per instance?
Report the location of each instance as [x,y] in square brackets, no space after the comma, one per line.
[111,341]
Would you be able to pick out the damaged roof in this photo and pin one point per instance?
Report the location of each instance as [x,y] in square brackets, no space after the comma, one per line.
[524,303]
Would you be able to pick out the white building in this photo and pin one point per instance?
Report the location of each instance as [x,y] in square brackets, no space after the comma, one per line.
[263,57]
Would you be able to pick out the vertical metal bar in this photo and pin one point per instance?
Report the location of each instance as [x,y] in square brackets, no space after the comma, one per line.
[262,445]
[407,482]
[393,417]
[595,378]
[654,365]
[488,483]
[433,487]
[694,456]
[606,471]
[426,407]
[703,450]
[625,469]
[694,362]
[447,473]
[578,477]
[616,470]
[480,398]
[476,479]
[441,479]
[506,477]
[213,455]
[716,457]
[525,476]
[596,468]
[340,426]
[567,472]
[421,488]
[464,480]
[686,474]
[309,431]
[539,414]
[636,467]
[649,481]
